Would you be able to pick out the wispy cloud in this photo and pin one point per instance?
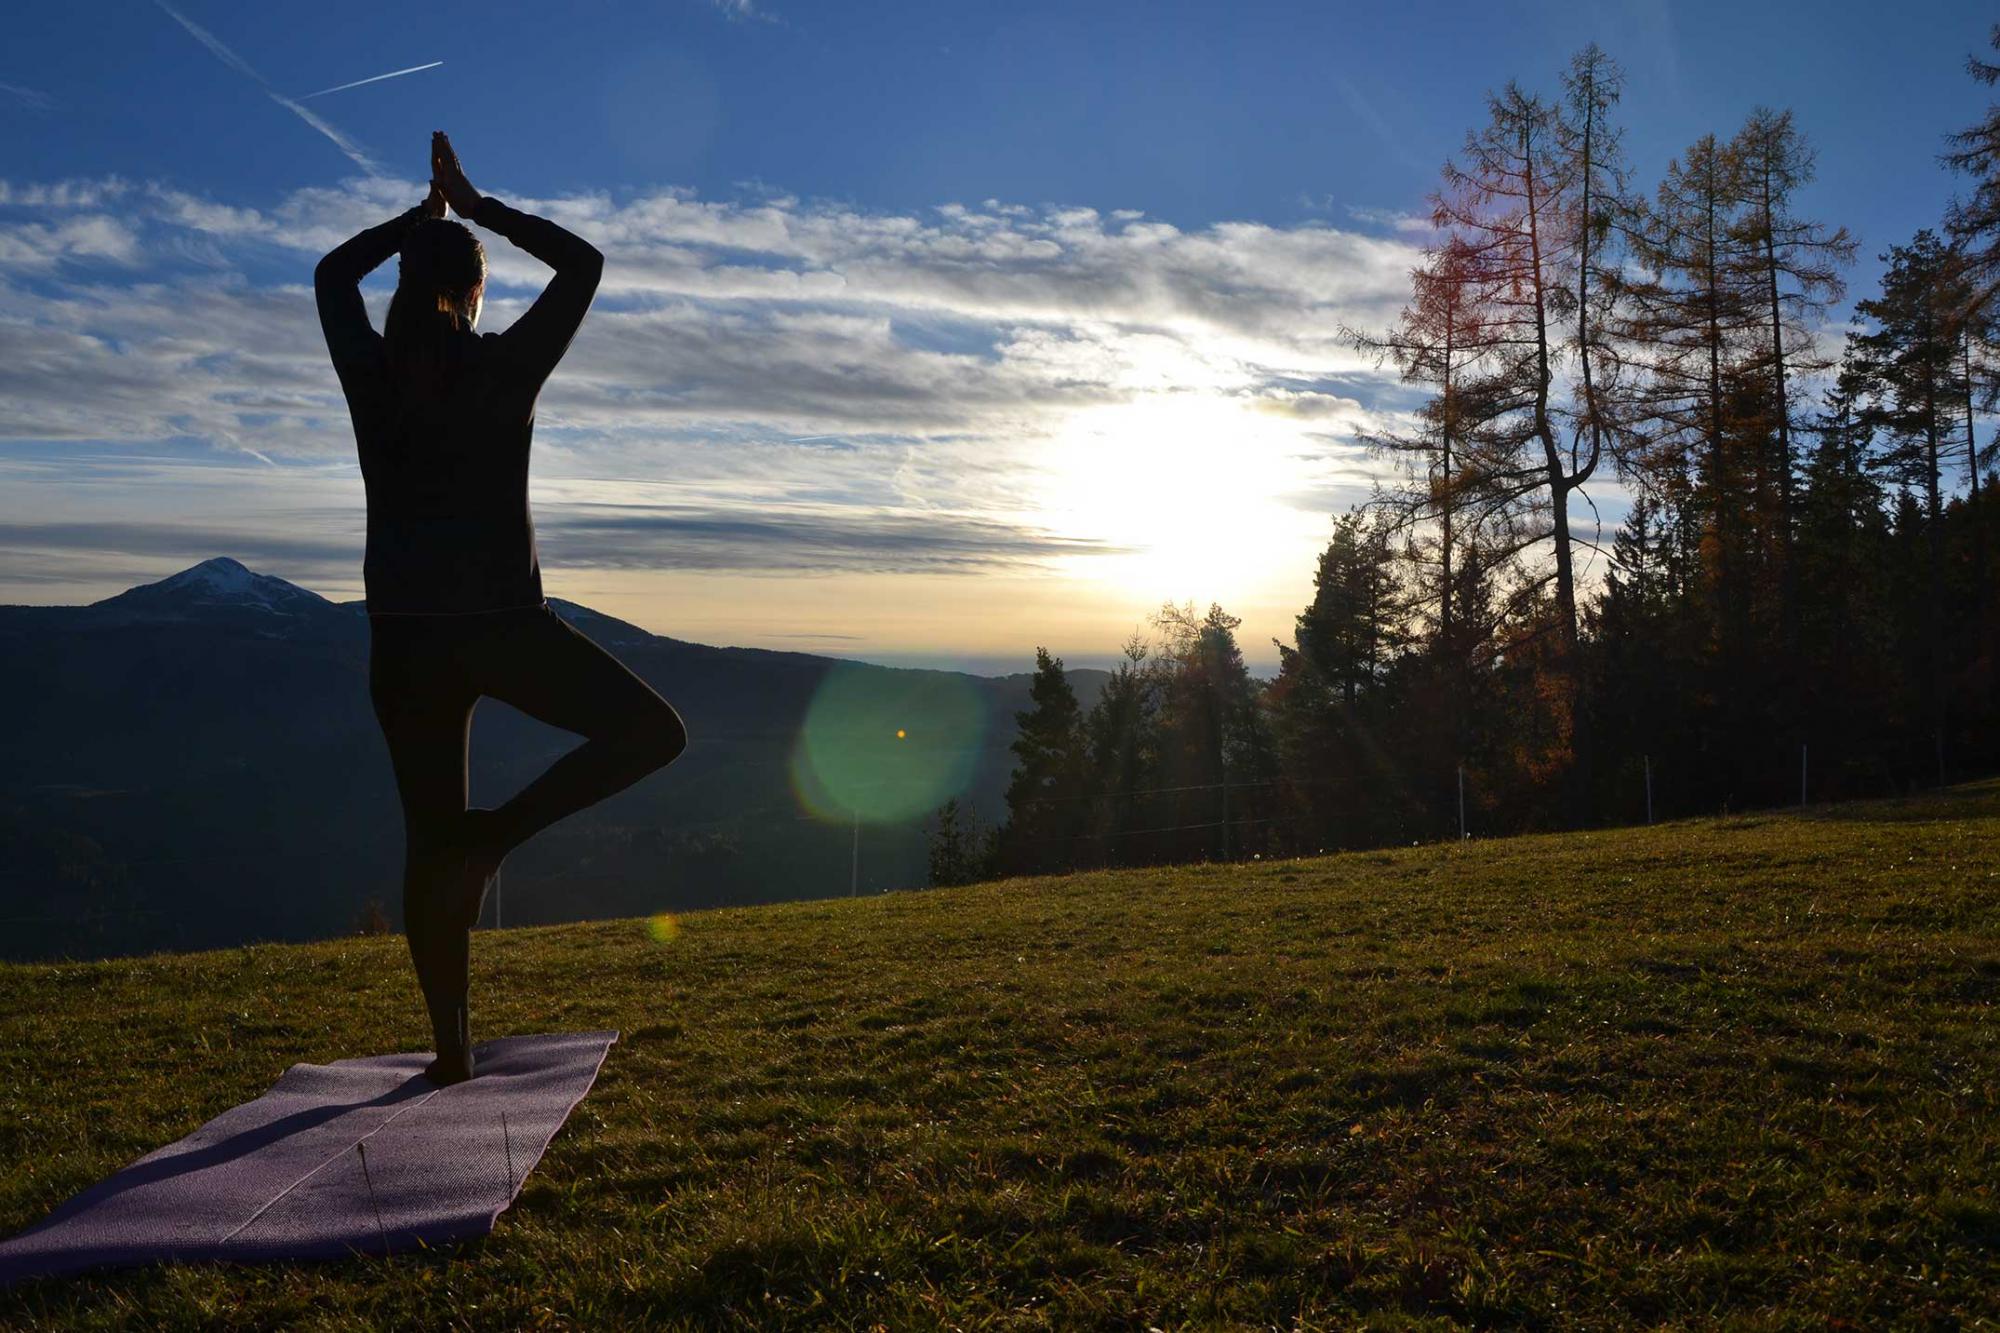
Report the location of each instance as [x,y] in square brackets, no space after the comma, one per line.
[32,98]
[1415,224]
[766,385]
[772,320]
[741,11]
[1385,131]
[243,67]
[823,538]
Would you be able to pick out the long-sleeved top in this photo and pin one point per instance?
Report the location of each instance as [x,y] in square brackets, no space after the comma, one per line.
[449,529]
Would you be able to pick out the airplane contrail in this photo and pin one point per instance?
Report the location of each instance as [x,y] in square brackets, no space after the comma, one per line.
[394,73]
[241,66]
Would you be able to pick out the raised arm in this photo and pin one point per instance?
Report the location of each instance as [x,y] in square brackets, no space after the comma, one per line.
[337,286]
[538,339]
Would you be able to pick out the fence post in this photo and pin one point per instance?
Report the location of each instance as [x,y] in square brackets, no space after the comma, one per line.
[1225,812]
[1461,802]
[1802,777]
[1649,789]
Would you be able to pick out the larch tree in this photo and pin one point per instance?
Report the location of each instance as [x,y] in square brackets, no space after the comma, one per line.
[1974,223]
[1798,265]
[1692,310]
[1598,209]
[1508,200]
[1438,342]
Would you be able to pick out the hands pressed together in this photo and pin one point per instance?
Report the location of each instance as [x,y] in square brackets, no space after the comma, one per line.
[448,182]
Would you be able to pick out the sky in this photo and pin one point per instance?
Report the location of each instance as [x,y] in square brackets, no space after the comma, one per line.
[929,333]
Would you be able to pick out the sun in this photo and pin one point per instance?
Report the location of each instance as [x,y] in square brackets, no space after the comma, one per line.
[1204,493]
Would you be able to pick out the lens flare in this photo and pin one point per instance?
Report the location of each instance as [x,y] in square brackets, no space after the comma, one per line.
[887,746]
[662,927]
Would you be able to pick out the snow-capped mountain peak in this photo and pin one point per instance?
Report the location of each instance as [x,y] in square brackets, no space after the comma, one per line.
[218,584]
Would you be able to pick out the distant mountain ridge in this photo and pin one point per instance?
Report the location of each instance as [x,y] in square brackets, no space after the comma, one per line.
[196,762]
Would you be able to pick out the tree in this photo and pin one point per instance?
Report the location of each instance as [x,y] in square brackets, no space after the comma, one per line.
[1211,733]
[1906,366]
[1438,341]
[1339,784]
[1121,736]
[1511,200]
[1799,265]
[1974,223]
[1692,313]
[1599,209]
[1974,227]
[960,853]
[1855,695]
[1044,798]
[1354,622]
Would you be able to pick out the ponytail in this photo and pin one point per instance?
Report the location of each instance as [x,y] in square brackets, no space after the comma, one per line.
[440,276]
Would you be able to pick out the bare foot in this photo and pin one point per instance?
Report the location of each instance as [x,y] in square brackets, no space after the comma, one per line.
[480,864]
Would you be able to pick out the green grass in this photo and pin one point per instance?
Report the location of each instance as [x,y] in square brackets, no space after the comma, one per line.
[1736,1072]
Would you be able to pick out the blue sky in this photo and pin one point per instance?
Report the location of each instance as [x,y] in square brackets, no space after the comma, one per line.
[897,293]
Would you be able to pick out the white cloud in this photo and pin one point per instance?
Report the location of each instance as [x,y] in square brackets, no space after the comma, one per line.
[1415,224]
[740,11]
[817,372]
[33,245]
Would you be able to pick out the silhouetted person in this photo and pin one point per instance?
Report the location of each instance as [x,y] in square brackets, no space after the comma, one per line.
[442,418]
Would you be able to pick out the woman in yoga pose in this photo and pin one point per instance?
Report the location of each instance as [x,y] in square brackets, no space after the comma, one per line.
[442,418]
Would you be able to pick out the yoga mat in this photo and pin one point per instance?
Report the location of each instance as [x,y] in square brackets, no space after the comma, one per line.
[360,1156]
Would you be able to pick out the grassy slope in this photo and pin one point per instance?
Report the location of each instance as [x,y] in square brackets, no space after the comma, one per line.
[1739,1070]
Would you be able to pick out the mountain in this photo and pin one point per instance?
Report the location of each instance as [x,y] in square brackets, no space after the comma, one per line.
[196,762]
[219,586]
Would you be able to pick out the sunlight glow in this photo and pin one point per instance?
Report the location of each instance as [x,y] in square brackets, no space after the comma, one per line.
[1210,494]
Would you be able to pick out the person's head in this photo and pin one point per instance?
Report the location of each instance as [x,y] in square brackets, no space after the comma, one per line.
[440,290]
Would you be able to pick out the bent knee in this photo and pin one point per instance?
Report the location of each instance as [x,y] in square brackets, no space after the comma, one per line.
[661,735]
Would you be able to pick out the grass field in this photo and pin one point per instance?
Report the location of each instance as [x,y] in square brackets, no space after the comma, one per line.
[1736,1072]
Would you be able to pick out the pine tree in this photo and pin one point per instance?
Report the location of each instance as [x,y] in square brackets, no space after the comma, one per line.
[1354,623]
[1045,797]
[1854,690]
[1697,416]
[959,852]
[1122,739]
[1339,786]
[1907,367]
[1212,733]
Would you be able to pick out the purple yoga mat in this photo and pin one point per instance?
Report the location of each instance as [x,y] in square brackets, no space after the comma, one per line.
[361,1156]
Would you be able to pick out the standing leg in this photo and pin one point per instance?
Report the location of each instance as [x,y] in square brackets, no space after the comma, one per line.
[425,710]
[547,668]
